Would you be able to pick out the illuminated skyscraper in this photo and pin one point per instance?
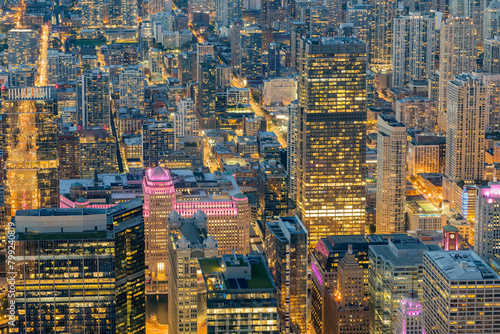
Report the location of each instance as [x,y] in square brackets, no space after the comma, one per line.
[410,318]
[129,10]
[492,20]
[97,152]
[417,113]
[29,138]
[93,99]
[457,54]
[23,49]
[292,149]
[286,252]
[251,52]
[158,139]
[132,88]
[186,121]
[384,13]
[207,91]
[273,199]
[22,76]
[486,232]
[492,55]
[391,175]
[94,13]
[332,137]
[60,67]
[414,48]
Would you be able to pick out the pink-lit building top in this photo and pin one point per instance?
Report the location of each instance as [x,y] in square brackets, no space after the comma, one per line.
[410,317]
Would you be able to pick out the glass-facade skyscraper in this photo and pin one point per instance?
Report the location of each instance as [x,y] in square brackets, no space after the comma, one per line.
[332,136]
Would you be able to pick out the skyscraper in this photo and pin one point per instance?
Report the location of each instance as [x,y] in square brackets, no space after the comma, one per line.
[292,149]
[410,318]
[286,252]
[464,132]
[251,52]
[23,48]
[207,91]
[492,20]
[129,13]
[132,88]
[60,67]
[97,152]
[273,199]
[273,60]
[486,232]
[158,138]
[29,139]
[22,76]
[457,54]
[186,121]
[94,13]
[97,261]
[382,38]
[491,62]
[447,277]
[332,137]
[414,48]
[268,9]
[418,113]
[391,175]
[93,99]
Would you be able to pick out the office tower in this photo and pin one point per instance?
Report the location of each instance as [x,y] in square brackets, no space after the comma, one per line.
[286,252]
[457,54]
[187,242]
[414,48]
[391,175]
[426,154]
[273,60]
[448,276]
[94,13]
[98,153]
[223,75]
[155,62]
[410,318]
[268,9]
[292,149]
[384,13]
[486,232]
[60,67]
[297,31]
[331,190]
[417,113]
[129,11]
[158,138]
[464,132]
[132,88]
[250,52]
[346,309]
[22,76]
[273,190]
[394,269]
[29,138]
[95,256]
[233,280]
[186,121]
[23,48]
[206,92]
[492,20]
[325,261]
[361,17]
[93,99]
[159,198]
[69,156]
[491,62]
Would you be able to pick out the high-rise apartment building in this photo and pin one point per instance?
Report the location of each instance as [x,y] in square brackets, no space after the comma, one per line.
[273,200]
[457,54]
[22,76]
[129,13]
[391,175]
[93,99]
[426,154]
[491,26]
[491,63]
[158,138]
[286,252]
[297,31]
[346,308]
[97,152]
[410,318]
[207,91]
[492,112]
[292,149]
[454,284]
[132,88]
[361,18]
[186,121]
[187,242]
[23,48]
[417,113]
[394,269]
[414,48]
[61,67]
[229,286]
[464,132]
[251,52]
[486,231]
[332,137]
[155,62]
[29,140]
[96,263]
[384,13]
[94,13]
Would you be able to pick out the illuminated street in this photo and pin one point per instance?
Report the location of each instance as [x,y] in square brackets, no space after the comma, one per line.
[42,60]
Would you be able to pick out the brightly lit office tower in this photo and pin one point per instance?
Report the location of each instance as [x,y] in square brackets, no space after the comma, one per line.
[235,290]
[61,67]
[448,277]
[384,13]
[186,121]
[331,149]
[94,13]
[93,261]
[93,100]
[486,231]
[414,48]
[129,11]
[391,175]
[187,241]
[132,88]
[410,318]
[23,48]
[286,252]
[29,138]
[464,132]
[457,55]
[492,20]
